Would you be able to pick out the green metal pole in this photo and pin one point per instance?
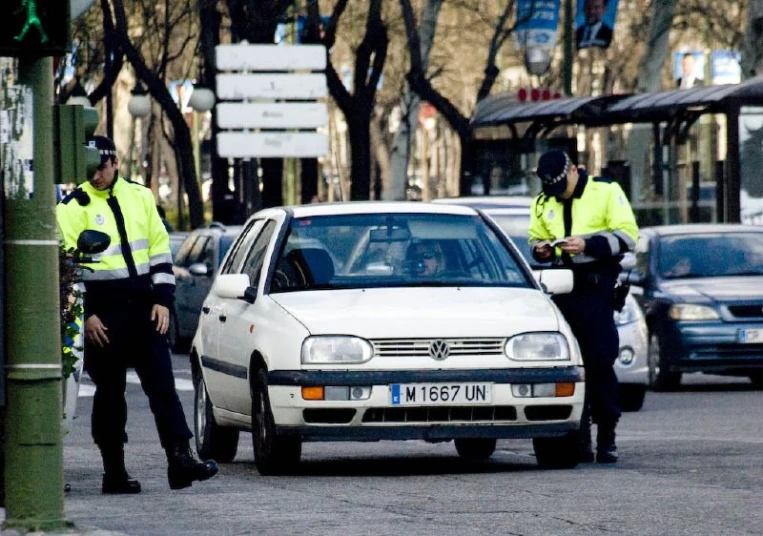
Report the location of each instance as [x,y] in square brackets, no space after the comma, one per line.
[569,25]
[34,440]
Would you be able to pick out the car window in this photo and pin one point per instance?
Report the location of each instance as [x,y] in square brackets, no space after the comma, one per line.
[382,250]
[185,249]
[241,247]
[253,263]
[686,256]
[200,252]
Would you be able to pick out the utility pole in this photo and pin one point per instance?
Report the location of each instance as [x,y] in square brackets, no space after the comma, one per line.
[33,31]
[34,476]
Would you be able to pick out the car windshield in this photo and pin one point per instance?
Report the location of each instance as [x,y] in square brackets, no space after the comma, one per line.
[394,250]
[710,255]
[517,227]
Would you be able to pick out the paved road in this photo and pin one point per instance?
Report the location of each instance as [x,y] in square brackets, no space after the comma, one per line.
[692,463]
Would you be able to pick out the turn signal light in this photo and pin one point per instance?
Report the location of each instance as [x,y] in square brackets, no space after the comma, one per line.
[312,393]
[565,389]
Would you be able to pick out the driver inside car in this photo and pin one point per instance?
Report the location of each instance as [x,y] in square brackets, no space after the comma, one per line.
[428,259]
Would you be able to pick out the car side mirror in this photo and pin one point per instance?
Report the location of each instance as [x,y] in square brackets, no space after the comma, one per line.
[91,242]
[199,268]
[234,287]
[555,281]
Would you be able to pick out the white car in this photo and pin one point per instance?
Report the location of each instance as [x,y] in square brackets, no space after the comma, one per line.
[323,325]
[512,214]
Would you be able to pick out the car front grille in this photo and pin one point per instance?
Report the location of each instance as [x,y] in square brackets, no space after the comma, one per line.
[441,414]
[747,311]
[421,347]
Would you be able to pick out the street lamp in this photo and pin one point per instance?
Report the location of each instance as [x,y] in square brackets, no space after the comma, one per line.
[537,60]
[202,98]
[139,104]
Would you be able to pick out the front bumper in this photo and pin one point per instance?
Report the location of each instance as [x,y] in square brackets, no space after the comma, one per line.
[376,418]
[714,347]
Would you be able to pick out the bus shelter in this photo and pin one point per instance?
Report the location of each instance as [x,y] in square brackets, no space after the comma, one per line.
[705,151]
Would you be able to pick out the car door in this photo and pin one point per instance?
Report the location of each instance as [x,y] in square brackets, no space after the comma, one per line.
[219,369]
[193,284]
[239,318]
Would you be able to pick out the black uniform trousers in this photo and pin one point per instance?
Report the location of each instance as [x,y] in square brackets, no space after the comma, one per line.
[589,311]
[133,342]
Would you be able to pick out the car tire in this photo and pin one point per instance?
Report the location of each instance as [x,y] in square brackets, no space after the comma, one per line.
[213,442]
[660,379]
[273,454]
[558,452]
[632,396]
[475,448]
[757,380]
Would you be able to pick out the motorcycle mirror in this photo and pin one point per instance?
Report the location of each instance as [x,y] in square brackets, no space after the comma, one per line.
[91,242]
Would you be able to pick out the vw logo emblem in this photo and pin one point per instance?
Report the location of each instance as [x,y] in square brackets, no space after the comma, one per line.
[439,350]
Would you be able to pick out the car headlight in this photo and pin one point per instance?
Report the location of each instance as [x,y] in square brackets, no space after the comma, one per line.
[538,347]
[688,311]
[332,349]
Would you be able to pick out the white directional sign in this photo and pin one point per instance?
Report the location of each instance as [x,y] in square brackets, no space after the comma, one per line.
[242,86]
[270,57]
[261,95]
[271,115]
[232,144]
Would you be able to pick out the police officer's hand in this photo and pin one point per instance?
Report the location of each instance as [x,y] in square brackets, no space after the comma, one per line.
[161,315]
[95,331]
[543,250]
[575,245]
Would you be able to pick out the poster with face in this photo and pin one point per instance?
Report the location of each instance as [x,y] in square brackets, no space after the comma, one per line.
[689,69]
[595,23]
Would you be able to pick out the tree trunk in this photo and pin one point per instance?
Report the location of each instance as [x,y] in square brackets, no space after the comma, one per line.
[360,153]
[401,146]
[752,52]
[653,60]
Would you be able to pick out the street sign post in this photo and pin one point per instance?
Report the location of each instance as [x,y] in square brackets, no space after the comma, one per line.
[268,101]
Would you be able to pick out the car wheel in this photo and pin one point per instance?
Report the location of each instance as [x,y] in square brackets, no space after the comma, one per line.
[659,379]
[632,396]
[213,442]
[558,452]
[475,448]
[757,379]
[273,454]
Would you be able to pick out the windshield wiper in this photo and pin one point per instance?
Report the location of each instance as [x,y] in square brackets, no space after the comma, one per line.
[746,272]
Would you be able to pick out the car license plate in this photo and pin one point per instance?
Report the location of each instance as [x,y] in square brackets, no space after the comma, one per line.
[432,394]
[750,336]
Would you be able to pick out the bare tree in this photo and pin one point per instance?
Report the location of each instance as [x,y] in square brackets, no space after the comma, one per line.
[157,87]
[401,146]
[358,106]
[422,85]
[752,53]
[653,60]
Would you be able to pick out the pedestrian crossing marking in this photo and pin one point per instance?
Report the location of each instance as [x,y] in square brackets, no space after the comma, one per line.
[87,389]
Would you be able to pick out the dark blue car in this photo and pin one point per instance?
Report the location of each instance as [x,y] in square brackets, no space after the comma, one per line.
[701,289]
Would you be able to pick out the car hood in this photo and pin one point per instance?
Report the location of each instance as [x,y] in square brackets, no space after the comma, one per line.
[716,289]
[422,312]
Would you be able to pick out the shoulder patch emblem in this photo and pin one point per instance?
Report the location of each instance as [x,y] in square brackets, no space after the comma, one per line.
[99,219]
[621,200]
[551,214]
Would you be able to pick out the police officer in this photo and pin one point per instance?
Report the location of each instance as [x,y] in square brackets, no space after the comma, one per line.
[128,295]
[594,217]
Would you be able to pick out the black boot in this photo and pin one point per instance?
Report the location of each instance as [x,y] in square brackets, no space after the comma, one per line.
[184,468]
[586,447]
[606,450]
[115,478]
